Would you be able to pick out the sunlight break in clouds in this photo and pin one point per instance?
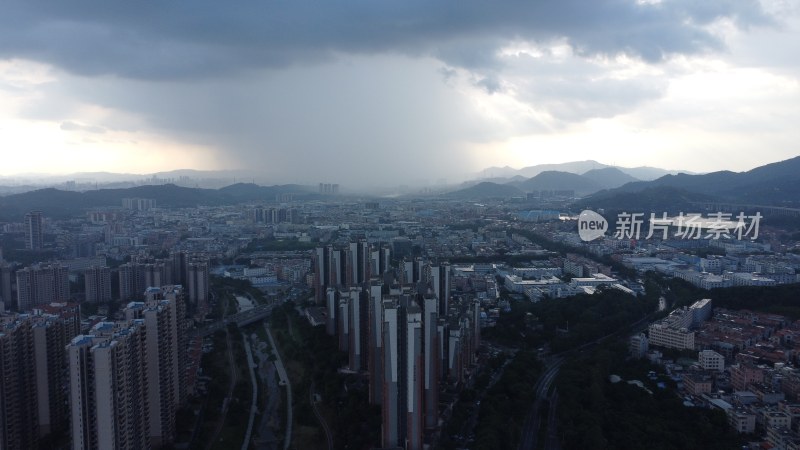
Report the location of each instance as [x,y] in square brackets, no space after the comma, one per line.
[88,141]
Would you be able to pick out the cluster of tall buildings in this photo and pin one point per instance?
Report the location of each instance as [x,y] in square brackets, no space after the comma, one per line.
[351,265]
[138,204]
[181,268]
[400,326]
[328,188]
[28,287]
[276,215]
[33,398]
[118,386]
[128,378]
[41,284]
[97,284]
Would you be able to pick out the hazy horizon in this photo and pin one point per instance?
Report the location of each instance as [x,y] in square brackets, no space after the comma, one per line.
[229,176]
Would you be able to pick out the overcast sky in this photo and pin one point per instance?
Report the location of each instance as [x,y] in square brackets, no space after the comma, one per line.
[396,91]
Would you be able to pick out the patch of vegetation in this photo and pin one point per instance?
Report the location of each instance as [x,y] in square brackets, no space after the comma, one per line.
[781,299]
[316,358]
[505,406]
[214,365]
[226,285]
[595,413]
[567,323]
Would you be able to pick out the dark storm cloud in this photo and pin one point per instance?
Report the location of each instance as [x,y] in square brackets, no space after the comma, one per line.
[363,85]
[179,40]
[345,122]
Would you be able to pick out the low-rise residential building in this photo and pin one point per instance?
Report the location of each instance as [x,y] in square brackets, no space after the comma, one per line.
[711,360]
[742,375]
[697,383]
[776,419]
[638,345]
[667,336]
[793,410]
[783,439]
[767,394]
[743,420]
[674,330]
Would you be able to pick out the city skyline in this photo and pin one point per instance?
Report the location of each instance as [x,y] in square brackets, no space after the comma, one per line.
[434,92]
[431,321]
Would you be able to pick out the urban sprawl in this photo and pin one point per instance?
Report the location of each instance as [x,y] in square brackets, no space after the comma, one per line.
[102,340]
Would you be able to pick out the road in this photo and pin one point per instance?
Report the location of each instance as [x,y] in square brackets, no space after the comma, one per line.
[241,319]
[254,402]
[285,381]
[226,402]
[533,421]
[270,418]
[468,429]
[312,398]
[551,441]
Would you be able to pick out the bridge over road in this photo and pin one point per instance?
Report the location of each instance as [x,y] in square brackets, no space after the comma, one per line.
[241,319]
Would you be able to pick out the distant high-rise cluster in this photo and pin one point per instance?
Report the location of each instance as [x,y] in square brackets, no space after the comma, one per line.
[97,283]
[138,204]
[6,291]
[402,328]
[352,265]
[328,189]
[42,284]
[284,197]
[181,268]
[34,238]
[276,215]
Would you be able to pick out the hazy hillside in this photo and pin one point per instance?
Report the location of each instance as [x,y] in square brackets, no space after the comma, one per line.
[486,190]
[773,184]
[576,167]
[609,177]
[58,203]
[553,180]
[656,199]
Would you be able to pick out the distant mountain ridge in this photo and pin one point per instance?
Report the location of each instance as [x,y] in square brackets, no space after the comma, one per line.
[609,177]
[57,203]
[576,167]
[592,181]
[775,184]
[559,181]
[213,179]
